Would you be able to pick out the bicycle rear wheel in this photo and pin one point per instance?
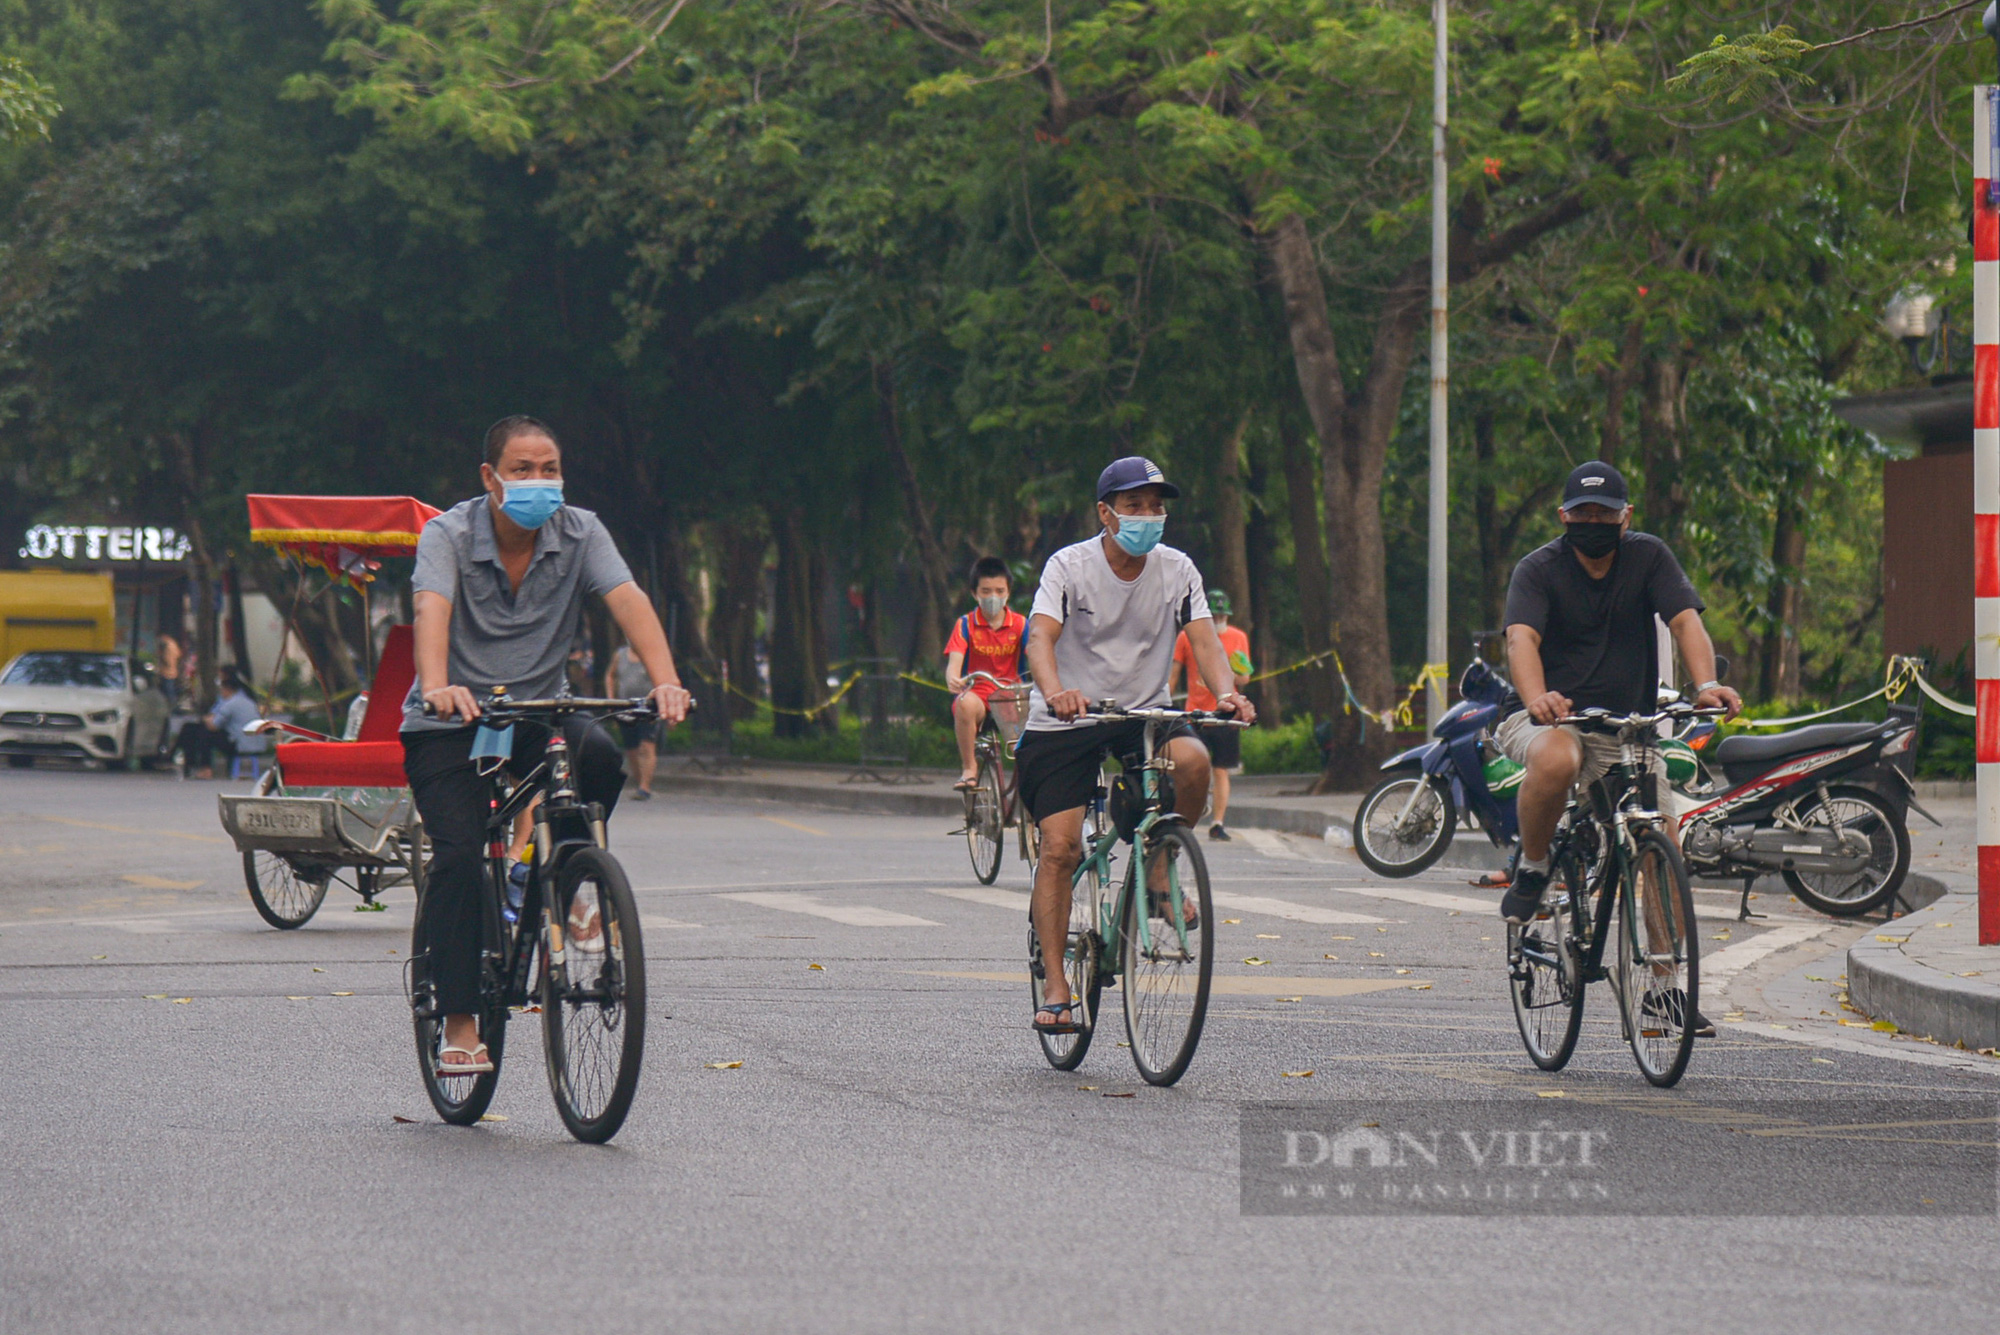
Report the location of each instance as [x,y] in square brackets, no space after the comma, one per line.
[594,1002]
[1544,976]
[1658,964]
[459,1099]
[983,830]
[1166,958]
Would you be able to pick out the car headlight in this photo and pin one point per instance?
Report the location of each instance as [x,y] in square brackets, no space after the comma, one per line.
[104,716]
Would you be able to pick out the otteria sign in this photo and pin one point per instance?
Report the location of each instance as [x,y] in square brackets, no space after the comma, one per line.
[100,542]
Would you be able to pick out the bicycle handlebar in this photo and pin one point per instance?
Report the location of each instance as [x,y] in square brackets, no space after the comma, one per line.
[1021,686]
[562,705]
[1606,721]
[1109,712]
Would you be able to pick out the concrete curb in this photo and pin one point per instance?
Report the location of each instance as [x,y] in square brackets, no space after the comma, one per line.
[1887,982]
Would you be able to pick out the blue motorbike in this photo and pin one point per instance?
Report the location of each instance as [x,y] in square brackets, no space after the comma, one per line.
[1406,821]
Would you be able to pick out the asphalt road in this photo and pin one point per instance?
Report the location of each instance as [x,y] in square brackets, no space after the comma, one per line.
[213,1126]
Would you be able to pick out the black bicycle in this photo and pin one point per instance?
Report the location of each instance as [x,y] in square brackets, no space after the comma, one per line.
[591,990]
[1612,851]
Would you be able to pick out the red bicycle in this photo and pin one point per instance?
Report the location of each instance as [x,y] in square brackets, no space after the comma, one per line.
[993,804]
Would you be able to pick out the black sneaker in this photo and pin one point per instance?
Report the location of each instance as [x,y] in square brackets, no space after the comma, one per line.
[1218,834]
[1523,899]
[1670,1005]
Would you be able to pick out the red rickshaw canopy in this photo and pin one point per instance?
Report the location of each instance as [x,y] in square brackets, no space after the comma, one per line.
[342,535]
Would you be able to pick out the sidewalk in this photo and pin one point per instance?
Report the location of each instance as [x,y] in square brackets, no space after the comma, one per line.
[1925,973]
[1257,801]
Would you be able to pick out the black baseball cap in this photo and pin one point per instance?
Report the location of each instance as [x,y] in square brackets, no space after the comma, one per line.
[1595,483]
[1134,471]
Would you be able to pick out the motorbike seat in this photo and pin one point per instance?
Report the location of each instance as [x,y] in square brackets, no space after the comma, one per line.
[1742,750]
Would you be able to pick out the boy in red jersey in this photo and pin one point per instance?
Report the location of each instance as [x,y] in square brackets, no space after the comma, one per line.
[989,640]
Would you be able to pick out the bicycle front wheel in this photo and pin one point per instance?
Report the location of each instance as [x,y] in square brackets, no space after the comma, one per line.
[1167,955]
[1658,965]
[283,896]
[1544,976]
[982,823]
[594,1000]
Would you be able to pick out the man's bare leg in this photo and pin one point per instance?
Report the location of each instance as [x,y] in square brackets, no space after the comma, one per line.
[1049,906]
[1554,760]
[1219,779]
[645,760]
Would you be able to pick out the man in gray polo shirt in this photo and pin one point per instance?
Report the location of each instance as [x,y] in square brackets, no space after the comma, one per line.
[499,589]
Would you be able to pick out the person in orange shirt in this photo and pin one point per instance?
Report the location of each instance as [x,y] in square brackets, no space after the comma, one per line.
[1225,745]
[988,639]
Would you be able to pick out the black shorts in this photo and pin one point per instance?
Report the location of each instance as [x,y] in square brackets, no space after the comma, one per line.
[1225,746]
[631,736]
[1059,769]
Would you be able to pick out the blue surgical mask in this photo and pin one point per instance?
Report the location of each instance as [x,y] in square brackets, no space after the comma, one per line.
[1139,534]
[530,504]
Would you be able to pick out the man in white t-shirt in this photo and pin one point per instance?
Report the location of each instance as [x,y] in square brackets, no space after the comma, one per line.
[1105,619]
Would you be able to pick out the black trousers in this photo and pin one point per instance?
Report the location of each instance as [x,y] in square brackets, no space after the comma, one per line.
[453,798]
[199,743]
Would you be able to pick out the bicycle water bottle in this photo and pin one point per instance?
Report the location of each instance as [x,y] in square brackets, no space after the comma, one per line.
[517,892]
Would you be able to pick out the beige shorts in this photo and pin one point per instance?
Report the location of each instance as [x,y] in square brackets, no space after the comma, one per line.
[1601,750]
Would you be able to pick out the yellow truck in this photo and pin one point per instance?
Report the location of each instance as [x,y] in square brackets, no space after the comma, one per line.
[56,609]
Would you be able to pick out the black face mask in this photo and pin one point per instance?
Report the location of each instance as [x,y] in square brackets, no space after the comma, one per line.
[1592,540]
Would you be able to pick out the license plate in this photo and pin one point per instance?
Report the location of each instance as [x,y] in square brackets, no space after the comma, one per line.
[277,818]
[45,738]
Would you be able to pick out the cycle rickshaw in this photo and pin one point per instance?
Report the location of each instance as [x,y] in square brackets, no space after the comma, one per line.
[334,809]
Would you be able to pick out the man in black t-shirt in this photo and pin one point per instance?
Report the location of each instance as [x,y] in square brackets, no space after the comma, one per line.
[1580,634]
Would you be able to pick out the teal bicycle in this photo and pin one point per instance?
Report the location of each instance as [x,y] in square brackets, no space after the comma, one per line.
[1153,937]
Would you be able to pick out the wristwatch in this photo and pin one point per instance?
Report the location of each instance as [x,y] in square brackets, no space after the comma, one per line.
[1706,686]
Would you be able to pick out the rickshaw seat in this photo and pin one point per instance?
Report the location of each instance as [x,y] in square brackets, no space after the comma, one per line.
[375,759]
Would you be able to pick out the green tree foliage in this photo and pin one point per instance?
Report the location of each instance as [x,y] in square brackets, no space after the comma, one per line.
[834,297]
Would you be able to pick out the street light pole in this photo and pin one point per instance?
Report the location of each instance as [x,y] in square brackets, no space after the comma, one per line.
[1436,639]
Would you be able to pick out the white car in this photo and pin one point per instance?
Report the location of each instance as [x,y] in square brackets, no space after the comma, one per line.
[80,706]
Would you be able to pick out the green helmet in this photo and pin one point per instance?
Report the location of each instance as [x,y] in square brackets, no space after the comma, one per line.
[1218,602]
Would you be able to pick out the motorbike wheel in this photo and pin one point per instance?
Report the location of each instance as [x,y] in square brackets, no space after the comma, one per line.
[1404,824]
[1849,894]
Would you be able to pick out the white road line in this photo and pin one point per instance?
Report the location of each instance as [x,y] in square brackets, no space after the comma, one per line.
[1285,908]
[1727,963]
[1430,899]
[999,899]
[854,915]
[1271,844]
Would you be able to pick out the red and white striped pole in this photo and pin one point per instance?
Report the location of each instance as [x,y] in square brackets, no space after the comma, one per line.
[1986,508]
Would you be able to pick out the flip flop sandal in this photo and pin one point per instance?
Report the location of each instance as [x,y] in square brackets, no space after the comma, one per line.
[585,934]
[1058,1026]
[481,1063]
[966,785]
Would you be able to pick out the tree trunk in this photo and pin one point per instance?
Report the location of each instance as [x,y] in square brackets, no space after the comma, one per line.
[740,594]
[1778,676]
[1493,555]
[1309,567]
[797,670]
[1232,554]
[933,567]
[1261,555]
[1617,384]
[1660,437]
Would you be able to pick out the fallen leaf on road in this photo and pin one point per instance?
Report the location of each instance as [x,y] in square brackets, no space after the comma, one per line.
[100,957]
[1126,1095]
[724,1066]
[1340,938]
[1232,920]
[1551,1093]
[1885,1027]
[1972,973]
[1291,998]
[1123,1044]
[317,969]
[817,968]
[406,1121]
[1381,929]
[1255,960]
[156,996]
[1296,1075]
[182,1001]
[1092,1088]
[298,998]
[1261,936]
[1855,1024]
[1375,954]
[1892,940]
[343,994]
[1334,958]
[1453,914]
[1720,936]
[1940,924]
[1420,987]
[1822,1061]
[1402,971]
[1814,978]
[377,907]
[493,1117]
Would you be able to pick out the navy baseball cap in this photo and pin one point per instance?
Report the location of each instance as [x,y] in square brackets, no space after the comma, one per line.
[1134,471]
[1595,483]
